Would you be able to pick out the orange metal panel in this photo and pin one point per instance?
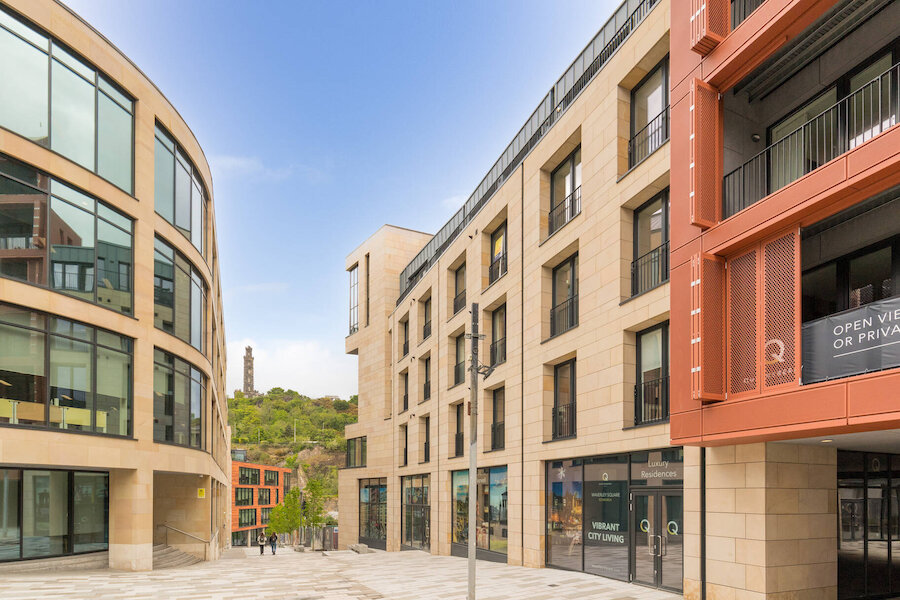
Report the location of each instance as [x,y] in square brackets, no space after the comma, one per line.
[790,410]
[872,395]
[705,166]
[743,324]
[780,276]
[707,319]
[710,23]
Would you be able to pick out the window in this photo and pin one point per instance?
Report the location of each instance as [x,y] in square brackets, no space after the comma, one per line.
[458,441]
[180,196]
[264,495]
[179,402]
[493,521]
[404,328]
[52,513]
[426,313]
[248,476]
[459,288]
[459,369]
[565,192]
[243,496]
[63,374]
[404,437]
[563,424]
[246,517]
[179,296]
[415,522]
[271,477]
[426,446]
[498,415]
[564,314]
[649,114]
[498,254]
[354,300]
[404,381]
[239,538]
[651,393]
[426,375]
[86,245]
[498,335]
[367,291]
[373,512]
[650,266]
[55,99]
[356,452]
[264,514]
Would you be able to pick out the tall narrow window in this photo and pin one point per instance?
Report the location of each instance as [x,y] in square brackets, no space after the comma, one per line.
[426,375]
[458,436]
[564,313]
[459,289]
[459,368]
[564,400]
[498,254]
[179,393]
[498,335]
[565,191]
[650,266]
[651,393]
[354,300]
[179,193]
[404,382]
[179,296]
[498,416]
[649,114]
[426,313]
[367,291]
[426,447]
[404,328]
[404,440]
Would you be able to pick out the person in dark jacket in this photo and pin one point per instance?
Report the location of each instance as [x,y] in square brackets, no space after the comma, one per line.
[273,541]
[261,540]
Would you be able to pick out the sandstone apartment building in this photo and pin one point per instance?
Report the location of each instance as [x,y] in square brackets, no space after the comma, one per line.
[564,246]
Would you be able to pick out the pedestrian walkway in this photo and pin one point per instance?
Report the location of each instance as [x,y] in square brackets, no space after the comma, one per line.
[334,576]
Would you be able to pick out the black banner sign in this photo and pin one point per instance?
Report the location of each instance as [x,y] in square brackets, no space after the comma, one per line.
[855,341]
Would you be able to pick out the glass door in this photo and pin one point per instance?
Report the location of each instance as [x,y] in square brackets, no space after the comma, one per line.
[657,548]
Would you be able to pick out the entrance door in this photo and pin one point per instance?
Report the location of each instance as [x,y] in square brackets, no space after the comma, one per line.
[657,545]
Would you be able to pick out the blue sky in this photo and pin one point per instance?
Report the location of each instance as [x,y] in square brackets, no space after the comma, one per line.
[324,120]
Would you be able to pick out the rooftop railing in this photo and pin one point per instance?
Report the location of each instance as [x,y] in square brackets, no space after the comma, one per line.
[608,40]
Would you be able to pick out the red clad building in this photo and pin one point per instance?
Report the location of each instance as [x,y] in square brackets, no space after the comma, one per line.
[256,490]
[785,293]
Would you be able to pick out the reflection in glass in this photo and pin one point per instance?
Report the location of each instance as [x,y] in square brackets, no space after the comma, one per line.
[870,277]
[71,382]
[10,480]
[877,580]
[24,102]
[22,378]
[72,249]
[90,502]
[565,514]
[45,513]
[113,381]
[114,142]
[179,394]
[606,516]
[72,113]
[182,298]
[416,515]
[373,512]
[179,195]
[645,547]
[182,198]
[113,267]
[164,179]
[23,213]
[649,100]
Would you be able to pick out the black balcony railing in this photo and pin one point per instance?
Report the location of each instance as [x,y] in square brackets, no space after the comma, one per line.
[405,456]
[405,401]
[564,212]
[563,420]
[426,452]
[857,118]
[426,330]
[459,302]
[741,9]
[459,372]
[458,444]
[426,391]
[498,435]
[653,135]
[650,270]
[498,352]
[564,316]
[497,268]
[651,401]
[405,348]
[354,327]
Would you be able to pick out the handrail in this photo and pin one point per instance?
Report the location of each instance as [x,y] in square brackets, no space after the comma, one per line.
[649,138]
[565,211]
[190,535]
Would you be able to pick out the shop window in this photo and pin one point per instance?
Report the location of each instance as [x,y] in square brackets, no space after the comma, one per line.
[492,530]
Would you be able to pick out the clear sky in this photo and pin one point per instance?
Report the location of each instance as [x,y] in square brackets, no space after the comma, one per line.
[324,120]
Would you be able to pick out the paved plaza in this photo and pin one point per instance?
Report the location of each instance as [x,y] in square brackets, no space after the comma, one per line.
[313,576]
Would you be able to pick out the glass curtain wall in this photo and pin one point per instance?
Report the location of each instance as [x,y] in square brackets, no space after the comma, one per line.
[179,402]
[88,384]
[179,296]
[416,519]
[48,513]
[57,100]
[373,512]
[53,235]
[492,509]
[180,196]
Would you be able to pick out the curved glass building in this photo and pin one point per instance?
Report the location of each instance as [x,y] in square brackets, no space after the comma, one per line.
[113,420]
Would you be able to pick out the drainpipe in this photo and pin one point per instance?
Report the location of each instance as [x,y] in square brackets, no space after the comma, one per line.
[703,523]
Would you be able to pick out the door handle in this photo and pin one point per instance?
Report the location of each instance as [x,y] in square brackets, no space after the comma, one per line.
[663,545]
[651,544]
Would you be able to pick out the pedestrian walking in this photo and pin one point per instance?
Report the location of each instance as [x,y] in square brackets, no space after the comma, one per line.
[261,540]
[273,541]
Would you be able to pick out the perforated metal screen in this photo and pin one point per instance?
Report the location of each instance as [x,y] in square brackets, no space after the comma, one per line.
[705,174]
[781,290]
[710,23]
[707,328]
[742,323]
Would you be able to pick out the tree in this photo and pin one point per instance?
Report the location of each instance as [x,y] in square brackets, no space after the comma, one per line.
[287,517]
[314,503]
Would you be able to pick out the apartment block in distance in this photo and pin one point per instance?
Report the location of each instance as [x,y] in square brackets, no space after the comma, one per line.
[112,351]
[785,280]
[256,490]
[564,248]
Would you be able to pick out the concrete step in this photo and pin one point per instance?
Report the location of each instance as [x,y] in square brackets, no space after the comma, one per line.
[167,557]
[94,560]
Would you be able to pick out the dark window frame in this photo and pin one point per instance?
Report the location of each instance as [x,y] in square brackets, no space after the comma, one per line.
[570,159]
[248,476]
[666,208]
[664,368]
[572,395]
[664,65]
[243,496]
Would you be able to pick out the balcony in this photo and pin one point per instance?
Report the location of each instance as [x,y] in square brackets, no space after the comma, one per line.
[498,352]
[645,142]
[564,316]
[459,302]
[857,118]
[564,212]
[354,327]
[497,268]
[459,372]
[651,401]
[405,348]
[405,401]
[426,452]
[426,330]
[16,242]
[405,457]
[458,444]
[426,391]
[741,9]
[650,270]
[498,435]
[563,423]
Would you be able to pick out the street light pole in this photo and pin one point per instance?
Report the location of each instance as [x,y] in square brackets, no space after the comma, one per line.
[473,449]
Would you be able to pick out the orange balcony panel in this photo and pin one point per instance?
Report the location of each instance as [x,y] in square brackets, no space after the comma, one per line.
[874,394]
[710,23]
[880,151]
[680,399]
[686,427]
[707,318]
[705,165]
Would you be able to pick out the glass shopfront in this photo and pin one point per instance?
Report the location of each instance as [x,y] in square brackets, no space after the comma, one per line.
[46,513]
[416,519]
[619,516]
[492,528]
[373,512]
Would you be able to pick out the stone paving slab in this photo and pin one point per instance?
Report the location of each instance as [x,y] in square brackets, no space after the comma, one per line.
[331,576]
